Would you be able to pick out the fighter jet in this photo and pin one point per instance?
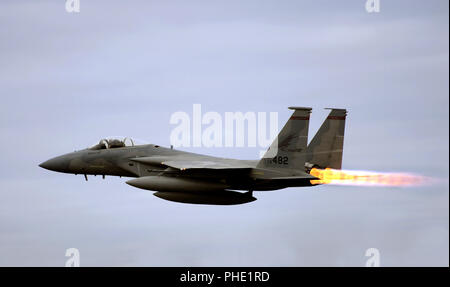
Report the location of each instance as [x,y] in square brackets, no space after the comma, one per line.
[201,179]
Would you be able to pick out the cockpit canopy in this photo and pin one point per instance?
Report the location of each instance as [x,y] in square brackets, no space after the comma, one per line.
[109,143]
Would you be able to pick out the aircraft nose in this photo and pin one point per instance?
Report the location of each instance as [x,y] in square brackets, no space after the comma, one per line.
[55,164]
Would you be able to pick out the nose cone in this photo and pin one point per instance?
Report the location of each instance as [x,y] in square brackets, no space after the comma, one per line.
[59,163]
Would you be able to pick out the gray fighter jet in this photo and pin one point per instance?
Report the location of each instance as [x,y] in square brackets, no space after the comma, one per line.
[201,179]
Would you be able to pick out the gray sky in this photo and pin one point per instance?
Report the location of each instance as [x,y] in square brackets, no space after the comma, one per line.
[67,80]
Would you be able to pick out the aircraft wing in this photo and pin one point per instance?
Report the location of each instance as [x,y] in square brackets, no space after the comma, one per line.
[180,163]
[191,164]
[225,165]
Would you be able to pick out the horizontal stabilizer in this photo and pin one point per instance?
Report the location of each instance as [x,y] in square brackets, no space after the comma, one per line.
[268,174]
[309,177]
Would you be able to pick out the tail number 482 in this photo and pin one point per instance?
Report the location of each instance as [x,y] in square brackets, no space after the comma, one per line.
[278,160]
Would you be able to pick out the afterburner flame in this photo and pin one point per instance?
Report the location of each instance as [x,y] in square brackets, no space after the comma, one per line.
[366,178]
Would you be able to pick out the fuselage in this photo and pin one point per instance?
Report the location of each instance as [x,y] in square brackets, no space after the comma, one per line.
[120,161]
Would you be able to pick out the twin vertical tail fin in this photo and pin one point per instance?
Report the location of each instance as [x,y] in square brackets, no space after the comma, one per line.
[287,150]
[290,149]
[325,149]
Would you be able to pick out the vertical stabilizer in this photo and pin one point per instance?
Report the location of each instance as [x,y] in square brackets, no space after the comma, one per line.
[287,150]
[325,149]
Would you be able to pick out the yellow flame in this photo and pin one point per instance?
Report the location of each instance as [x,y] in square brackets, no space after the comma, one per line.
[366,178]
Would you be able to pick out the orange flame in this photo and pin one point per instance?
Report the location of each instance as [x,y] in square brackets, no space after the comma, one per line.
[366,178]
